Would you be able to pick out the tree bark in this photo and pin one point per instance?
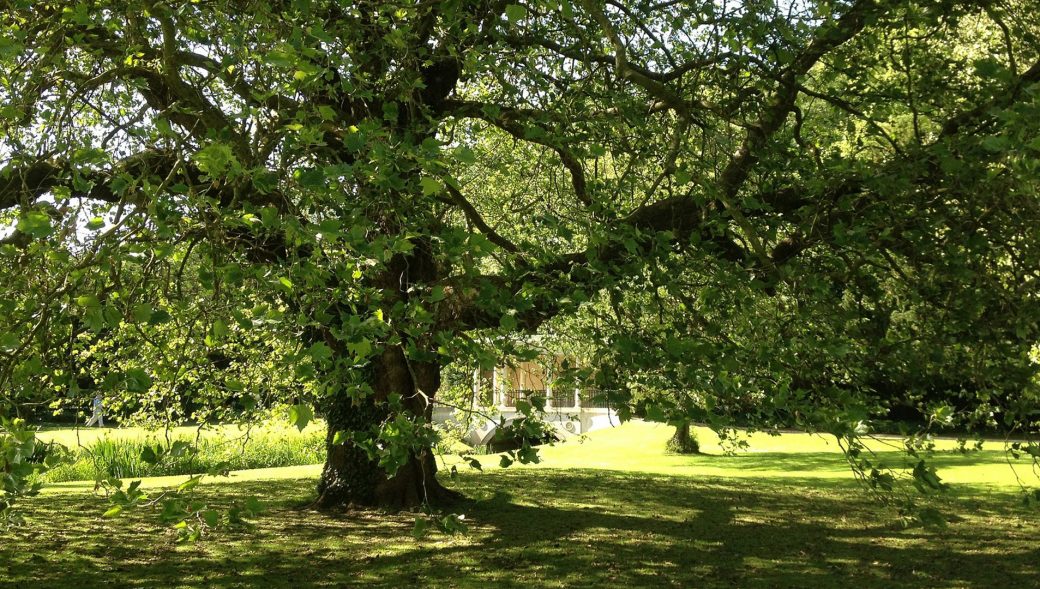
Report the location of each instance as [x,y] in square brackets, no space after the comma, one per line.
[350,476]
[683,441]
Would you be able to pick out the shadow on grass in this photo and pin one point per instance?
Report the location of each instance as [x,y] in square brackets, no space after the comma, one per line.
[537,529]
[815,461]
[772,461]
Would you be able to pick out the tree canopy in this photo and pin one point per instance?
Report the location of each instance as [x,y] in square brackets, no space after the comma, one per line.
[808,211]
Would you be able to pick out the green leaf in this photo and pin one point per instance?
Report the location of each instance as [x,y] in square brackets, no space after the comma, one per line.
[654,413]
[211,517]
[421,528]
[988,67]
[118,185]
[508,321]
[515,12]
[219,329]
[327,112]
[300,416]
[148,455]
[113,511]
[454,524]
[189,484]
[173,509]
[310,178]
[361,349]
[215,159]
[143,312]
[465,155]
[538,402]
[88,302]
[528,455]
[10,47]
[180,448]
[884,481]
[9,342]
[996,143]
[431,186]
[354,141]
[221,468]
[36,224]
[137,380]
[112,316]
[280,58]
[162,125]
[319,352]
[330,226]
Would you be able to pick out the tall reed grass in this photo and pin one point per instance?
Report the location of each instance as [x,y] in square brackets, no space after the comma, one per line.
[122,457]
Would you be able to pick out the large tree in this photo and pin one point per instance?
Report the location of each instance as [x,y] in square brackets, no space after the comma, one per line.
[375,181]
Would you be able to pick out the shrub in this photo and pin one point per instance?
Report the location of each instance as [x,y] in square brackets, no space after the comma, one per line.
[137,457]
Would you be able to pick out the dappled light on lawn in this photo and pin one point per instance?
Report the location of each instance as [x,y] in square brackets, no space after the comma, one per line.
[541,528]
[615,509]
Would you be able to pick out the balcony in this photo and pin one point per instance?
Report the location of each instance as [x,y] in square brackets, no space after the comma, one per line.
[558,398]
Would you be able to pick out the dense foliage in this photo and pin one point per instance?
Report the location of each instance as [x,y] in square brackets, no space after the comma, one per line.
[798,213]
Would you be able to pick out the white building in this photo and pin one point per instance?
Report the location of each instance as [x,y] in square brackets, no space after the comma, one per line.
[496,392]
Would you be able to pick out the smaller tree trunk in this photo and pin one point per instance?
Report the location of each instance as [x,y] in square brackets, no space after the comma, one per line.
[684,441]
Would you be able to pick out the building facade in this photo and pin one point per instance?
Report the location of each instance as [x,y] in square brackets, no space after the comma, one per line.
[496,393]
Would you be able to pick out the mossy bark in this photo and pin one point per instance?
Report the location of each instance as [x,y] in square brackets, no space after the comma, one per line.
[350,476]
[683,441]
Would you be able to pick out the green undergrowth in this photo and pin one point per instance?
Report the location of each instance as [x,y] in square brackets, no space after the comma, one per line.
[148,454]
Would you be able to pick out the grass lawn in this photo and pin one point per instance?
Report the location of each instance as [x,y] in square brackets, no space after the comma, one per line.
[613,511]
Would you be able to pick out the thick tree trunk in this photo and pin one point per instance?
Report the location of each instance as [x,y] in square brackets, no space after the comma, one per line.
[350,477]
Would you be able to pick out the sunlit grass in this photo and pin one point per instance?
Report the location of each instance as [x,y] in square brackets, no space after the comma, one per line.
[81,436]
[611,510]
[119,454]
[639,447]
